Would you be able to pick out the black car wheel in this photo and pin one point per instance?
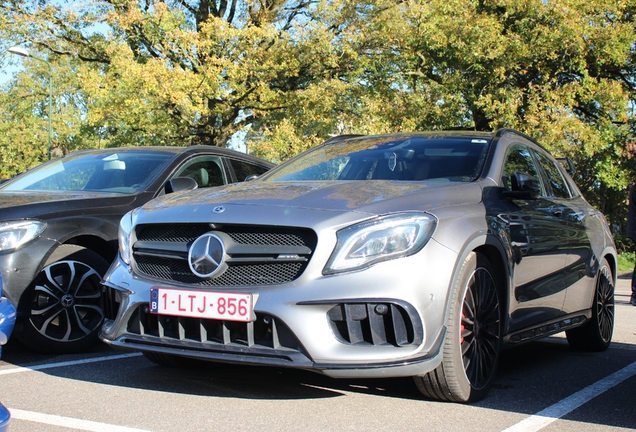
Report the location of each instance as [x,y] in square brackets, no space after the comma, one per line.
[472,345]
[64,304]
[596,334]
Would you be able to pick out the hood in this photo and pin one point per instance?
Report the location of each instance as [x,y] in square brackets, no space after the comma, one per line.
[26,204]
[369,197]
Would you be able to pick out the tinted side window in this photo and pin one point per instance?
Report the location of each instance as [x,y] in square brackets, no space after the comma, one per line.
[555,179]
[519,159]
[205,170]
[244,169]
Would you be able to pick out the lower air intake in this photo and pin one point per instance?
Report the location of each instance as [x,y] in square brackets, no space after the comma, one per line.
[373,323]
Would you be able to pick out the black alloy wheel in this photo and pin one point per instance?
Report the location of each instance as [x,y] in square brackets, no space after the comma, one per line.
[596,333]
[473,339]
[64,302]
[480,329]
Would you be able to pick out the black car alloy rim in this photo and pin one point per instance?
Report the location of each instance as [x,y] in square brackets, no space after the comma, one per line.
[480,328]
[605,304]
[66,301]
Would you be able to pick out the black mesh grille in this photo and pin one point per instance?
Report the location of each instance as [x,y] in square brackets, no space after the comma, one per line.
[161,253]
[237,275]
[254,235]
[271,236]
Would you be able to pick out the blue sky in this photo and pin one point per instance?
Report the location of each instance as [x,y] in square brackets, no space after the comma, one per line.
[9,66]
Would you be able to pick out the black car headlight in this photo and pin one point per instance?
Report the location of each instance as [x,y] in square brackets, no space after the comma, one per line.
[380,239]
[14,234]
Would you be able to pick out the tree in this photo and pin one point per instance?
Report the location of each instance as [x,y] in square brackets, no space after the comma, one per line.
[561,72]
[291,73]
[181,72]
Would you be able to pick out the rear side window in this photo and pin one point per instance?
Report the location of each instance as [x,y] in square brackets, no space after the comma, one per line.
[555,178]
[244,169]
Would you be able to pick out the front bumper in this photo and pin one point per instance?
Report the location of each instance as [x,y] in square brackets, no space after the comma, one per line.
[7,320]
[20,267]
[386,320]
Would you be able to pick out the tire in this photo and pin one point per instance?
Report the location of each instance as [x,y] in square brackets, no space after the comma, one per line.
[161,359]
[596,334]
[64,303]
[473,340]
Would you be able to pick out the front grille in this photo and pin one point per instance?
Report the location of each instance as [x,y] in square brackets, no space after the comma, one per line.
[256,255]
[238,275]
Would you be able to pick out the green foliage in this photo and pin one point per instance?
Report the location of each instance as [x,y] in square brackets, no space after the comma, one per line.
[623,243]
[626,261]
[292,73]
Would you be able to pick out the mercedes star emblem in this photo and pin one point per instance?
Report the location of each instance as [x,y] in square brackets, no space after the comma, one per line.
[206,255]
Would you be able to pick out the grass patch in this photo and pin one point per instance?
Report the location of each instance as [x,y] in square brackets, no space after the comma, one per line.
[626,261]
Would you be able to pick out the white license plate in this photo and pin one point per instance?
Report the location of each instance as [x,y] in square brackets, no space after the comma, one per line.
[201,304]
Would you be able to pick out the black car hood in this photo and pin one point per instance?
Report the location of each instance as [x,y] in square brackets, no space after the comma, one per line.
[26,204]
[369,196]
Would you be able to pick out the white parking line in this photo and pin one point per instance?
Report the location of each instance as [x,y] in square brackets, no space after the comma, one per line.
[68,422]
[68,363]
[554,412]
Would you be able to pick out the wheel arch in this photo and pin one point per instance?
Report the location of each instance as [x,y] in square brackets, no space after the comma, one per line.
[611,260]
[106,249]
[494,255]
[494,251]
[496,258]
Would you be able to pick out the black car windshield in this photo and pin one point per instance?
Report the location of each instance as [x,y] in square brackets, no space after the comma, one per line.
[120,172]
[396,157]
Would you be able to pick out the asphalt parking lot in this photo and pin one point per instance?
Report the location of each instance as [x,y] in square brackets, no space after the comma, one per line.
[540,386]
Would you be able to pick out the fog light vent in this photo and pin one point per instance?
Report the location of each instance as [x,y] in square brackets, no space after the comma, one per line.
[372,323]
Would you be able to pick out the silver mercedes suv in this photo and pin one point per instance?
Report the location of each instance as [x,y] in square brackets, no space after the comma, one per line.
[417,254]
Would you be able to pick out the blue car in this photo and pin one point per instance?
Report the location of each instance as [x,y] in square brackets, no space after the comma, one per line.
[7,319]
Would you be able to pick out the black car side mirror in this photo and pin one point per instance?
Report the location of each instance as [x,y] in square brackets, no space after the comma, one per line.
[251,177]
[523,186]
[179,184]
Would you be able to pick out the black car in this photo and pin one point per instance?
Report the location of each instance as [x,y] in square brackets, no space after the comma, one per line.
[59,222]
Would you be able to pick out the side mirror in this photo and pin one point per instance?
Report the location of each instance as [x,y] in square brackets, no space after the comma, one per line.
[179,184]
[251,177]
[523,186]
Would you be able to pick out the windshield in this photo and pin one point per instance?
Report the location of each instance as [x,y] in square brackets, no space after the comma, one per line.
[411,158]
[120,172]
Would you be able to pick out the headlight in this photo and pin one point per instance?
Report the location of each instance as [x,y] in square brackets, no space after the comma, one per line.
[380,239]
[14,234]
[125,230]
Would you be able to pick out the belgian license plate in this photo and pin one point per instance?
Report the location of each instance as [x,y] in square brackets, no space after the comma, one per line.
[201,304]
